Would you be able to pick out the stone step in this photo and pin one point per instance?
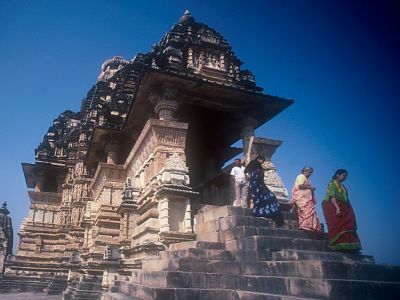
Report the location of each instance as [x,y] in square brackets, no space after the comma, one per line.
[212,212]
[143,292]
[230,222]
[118,296]
[246,295]
[366,290]
[323,270]
[303,269]
[294,255]
[276,243]
[292,233]
[261,284]
[244,231]
[290,286]
[215,254]
[197,253]
[13,284]
[196,244]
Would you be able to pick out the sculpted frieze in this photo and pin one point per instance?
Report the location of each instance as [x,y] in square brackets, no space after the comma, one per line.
[208,36]
[176,162]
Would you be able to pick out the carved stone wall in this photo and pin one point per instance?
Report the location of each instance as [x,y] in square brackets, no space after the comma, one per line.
[157,159]
[42,244]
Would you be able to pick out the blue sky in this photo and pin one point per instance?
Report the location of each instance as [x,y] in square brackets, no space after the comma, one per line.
[338,61]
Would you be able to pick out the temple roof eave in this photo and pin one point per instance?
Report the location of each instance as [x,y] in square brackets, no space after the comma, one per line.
[100,137]
[31,170]
[228,100]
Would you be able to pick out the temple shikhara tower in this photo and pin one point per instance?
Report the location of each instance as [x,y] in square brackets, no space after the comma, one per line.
[131,196]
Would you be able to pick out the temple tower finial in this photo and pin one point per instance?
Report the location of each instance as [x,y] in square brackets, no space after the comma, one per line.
[187,18]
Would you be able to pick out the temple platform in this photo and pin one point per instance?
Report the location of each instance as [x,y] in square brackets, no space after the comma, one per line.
[238,256]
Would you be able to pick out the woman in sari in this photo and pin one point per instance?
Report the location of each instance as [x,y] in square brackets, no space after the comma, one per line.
[339,216]
[265,203]
[304,200]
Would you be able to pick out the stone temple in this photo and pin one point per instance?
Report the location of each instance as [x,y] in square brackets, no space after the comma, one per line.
[130,198]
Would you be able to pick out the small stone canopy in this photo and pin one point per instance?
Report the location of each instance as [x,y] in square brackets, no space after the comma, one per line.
[44,176]
[3,209]
[6,229]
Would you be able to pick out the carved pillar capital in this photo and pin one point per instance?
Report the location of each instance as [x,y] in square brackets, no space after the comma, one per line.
[249,121]
[166,104]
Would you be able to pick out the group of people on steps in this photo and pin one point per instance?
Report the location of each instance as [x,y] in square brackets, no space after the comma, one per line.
[338,212]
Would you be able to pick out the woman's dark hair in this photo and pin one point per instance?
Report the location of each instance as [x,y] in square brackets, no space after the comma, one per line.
[339,172]
[307,168]
[254,164]
[261,157]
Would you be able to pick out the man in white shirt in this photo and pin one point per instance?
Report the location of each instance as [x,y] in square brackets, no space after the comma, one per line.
[241,184]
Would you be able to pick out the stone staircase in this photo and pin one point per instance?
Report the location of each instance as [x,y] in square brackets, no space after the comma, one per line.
[85,288]
[238,256]
[57,285]
[21,283]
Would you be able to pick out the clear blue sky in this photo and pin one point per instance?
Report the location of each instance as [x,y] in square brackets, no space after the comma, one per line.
[338,61]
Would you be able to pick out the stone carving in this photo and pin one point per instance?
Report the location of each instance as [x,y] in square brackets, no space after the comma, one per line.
[174,57]
[206,35]
[274,181]
[80,169]
[110,67]
[6,236]
[212,60]
[175,171]
[176,162]
[127,192]
[38,244]
[74,257]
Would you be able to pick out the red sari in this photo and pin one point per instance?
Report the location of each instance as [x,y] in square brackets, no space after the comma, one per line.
[342,228]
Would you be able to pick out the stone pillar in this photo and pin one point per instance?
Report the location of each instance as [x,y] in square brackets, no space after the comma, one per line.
[112,150]
[188,217]
[166,105]
[164,214]
[40,179]
[248,131]
[128,209]
[60,181]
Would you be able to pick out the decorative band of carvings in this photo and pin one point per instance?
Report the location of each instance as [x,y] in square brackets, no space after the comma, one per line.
[44,197]
[107,173]
[148,130]
[158,140]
